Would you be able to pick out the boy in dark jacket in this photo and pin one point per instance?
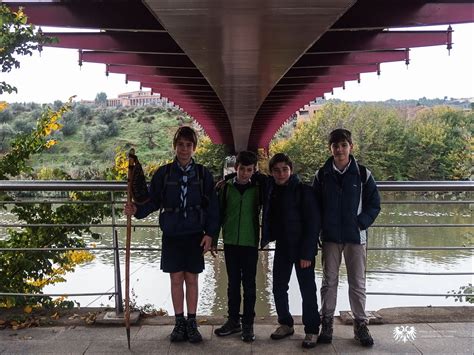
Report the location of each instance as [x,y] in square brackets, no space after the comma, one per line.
[239,201]
[184,193]
[349,202]
[289,212]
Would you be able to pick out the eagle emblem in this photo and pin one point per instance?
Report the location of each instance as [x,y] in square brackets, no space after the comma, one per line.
[404,333]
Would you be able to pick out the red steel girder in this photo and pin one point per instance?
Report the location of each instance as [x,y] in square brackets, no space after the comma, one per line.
[188,89]
[367,14]
[150,70]
[137,42]
[297,73]
[320,79]
[116,15]
[277,90]
[349,41]
[156,60]
[324,60]
[163,80]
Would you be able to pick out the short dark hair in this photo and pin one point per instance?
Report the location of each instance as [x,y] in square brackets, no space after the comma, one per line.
[280,158]
[340,135]
[187,133]
[246,158]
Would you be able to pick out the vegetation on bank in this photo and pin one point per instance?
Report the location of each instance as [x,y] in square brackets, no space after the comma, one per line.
[435,144]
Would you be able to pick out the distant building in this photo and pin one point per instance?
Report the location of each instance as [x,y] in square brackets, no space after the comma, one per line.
[138,98]
[305,113]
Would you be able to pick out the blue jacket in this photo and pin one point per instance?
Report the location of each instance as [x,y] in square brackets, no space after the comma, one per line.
[349,208]
[301,227]
[202,211]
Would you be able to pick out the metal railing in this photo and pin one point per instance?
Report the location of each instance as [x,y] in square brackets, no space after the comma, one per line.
[118,187]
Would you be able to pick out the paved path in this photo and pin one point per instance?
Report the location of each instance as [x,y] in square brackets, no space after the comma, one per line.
[431,338]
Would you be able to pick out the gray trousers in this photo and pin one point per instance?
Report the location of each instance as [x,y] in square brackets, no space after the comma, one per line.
[355,258]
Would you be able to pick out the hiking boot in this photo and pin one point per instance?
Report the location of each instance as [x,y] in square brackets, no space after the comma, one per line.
[310,341]
[247,333]
[179,330]
[327,328]
[282,331]
[192,330]
[230,327]
[362,334]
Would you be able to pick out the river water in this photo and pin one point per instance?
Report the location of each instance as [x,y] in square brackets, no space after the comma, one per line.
[151,286]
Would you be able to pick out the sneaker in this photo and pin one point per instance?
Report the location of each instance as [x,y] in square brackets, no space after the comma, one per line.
[282,331]
[230,327]
[327,327]
[179,330]
[362,334]
[310,341]
[192,330]
[247,333]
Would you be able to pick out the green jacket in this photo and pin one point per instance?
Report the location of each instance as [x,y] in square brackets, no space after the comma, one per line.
[240,215]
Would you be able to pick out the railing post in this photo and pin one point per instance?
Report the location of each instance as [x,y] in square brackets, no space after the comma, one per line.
[118,279]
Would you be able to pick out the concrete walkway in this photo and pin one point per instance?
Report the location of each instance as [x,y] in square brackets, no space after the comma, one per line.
[431,338]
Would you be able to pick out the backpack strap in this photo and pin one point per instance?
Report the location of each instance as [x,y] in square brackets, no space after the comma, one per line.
[165,184]
[362,171]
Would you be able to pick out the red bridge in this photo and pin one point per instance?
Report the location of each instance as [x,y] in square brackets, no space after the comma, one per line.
[242,67]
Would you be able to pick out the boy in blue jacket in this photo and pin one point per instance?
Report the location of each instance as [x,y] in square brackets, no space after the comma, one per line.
[184,193]
[349,202]
[291,218]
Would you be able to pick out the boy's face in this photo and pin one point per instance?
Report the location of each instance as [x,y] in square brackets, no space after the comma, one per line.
[281,173]
[184,150]
[244,172]
[340,151]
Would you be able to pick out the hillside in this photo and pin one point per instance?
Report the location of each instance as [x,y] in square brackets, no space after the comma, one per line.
[91,134]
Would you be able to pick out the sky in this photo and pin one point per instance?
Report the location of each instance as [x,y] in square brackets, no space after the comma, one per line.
[432,73]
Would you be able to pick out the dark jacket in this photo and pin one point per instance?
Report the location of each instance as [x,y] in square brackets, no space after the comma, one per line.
[348,206]
[300,226]
[202,211]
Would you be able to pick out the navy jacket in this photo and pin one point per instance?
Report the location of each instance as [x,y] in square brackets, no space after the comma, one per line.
[301,223]
[349,208]
[202,216]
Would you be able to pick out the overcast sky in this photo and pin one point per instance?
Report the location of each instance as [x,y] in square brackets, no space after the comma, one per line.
[432,73]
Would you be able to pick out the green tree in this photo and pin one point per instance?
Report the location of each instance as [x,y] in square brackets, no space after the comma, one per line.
[101,99]
[211,155]
[17,37]
[94,136]
[6,132]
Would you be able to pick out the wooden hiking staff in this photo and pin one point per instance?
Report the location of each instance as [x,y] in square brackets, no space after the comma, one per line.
[131,164]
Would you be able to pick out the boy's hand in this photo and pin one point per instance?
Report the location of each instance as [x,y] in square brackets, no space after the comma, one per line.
[206,244]
[129,209]
[220,184]
[305,263]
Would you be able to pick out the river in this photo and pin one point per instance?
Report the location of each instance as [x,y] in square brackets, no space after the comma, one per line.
[151,286]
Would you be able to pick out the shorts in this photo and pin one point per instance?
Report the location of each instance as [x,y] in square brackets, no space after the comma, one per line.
[183,253]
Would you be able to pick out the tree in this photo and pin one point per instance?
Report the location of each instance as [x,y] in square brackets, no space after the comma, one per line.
[211,155]
[101,99]
[6,132]
[17,37]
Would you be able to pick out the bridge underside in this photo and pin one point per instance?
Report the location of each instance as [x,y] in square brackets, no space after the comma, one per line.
[242,68]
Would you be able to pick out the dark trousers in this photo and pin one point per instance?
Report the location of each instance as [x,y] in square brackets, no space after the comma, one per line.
[241,264]
[282,267]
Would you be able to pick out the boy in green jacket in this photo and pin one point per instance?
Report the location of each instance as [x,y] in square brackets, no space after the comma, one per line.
[240,206]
